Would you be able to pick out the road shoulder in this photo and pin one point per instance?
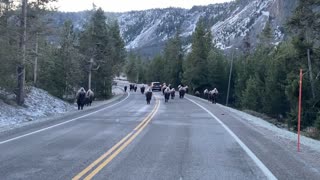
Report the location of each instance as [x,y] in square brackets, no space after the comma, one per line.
[276,152]
[40,123]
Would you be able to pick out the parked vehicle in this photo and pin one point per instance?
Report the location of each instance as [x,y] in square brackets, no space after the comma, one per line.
[156,86]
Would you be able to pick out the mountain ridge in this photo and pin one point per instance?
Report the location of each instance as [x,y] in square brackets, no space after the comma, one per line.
[147,31]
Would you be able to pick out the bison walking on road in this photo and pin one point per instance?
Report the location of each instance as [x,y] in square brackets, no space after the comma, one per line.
[135,88]
[206,94]
[214,95]
[167,94]
[142,89]
[149,95]
[80,96]
[89,97]
[173,93]
[182,92]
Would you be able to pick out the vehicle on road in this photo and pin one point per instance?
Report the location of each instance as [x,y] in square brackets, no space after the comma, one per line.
[156,86]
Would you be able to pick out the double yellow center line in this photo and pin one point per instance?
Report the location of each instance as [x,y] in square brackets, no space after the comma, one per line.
[117,148]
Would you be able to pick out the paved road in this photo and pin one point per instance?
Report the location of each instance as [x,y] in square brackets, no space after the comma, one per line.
[127,139]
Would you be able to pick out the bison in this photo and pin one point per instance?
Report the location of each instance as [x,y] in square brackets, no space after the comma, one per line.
[80,96]
[89,97]
[149,95]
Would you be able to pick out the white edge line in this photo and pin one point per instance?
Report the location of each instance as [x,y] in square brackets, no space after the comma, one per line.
[263,168]
[199,98]
[50,127]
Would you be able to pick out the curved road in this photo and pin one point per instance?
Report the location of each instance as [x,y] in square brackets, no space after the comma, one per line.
[128,139]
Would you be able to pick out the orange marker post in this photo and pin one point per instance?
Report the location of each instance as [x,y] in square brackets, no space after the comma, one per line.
[299,110]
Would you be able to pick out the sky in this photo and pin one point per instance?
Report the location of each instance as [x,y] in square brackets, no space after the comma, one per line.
[128,5]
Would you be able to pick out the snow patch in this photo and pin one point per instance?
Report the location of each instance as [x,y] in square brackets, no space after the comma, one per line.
[145,36]
[39,103]
[265,13]
[278,34]
[240,22]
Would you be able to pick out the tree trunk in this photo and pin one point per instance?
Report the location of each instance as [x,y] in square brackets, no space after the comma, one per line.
[230,75]
[35,68]
[90,73]
[311,75]
[21,66]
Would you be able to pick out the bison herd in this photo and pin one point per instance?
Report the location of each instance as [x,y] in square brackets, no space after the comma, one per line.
[169,92]
[84,97]
[211,95]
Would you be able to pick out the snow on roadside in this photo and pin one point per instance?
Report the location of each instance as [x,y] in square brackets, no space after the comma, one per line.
[40,106]
[39,103]
[313,144]
[116,91]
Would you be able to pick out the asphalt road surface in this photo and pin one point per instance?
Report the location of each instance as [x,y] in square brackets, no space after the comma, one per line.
[185,139]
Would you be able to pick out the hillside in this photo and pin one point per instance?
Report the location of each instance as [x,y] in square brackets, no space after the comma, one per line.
[147,31]
[38,104]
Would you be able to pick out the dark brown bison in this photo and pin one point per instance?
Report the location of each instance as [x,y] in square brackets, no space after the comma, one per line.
[89,97]
[182,92]
[142,89]
[149,95]
[81,96]
[167,94]
[173,93]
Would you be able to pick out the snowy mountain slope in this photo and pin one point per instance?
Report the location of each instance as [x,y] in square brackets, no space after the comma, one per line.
[147,31]
[229,23]
[251,18]
[145,28]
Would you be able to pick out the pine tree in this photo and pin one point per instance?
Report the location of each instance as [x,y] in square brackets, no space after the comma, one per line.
[37,29]
[16,39]
[250,68]
[274,100]
[156,69]
[304,19]
[118,53]
[196,70]
[243,68]
[100,43]
[8,46]
[69,60]
[50,70]
[250,97]
[304,28]
[304,23]
[173,56]
[266,36]
[131,68]
[217,76]
[141,70]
